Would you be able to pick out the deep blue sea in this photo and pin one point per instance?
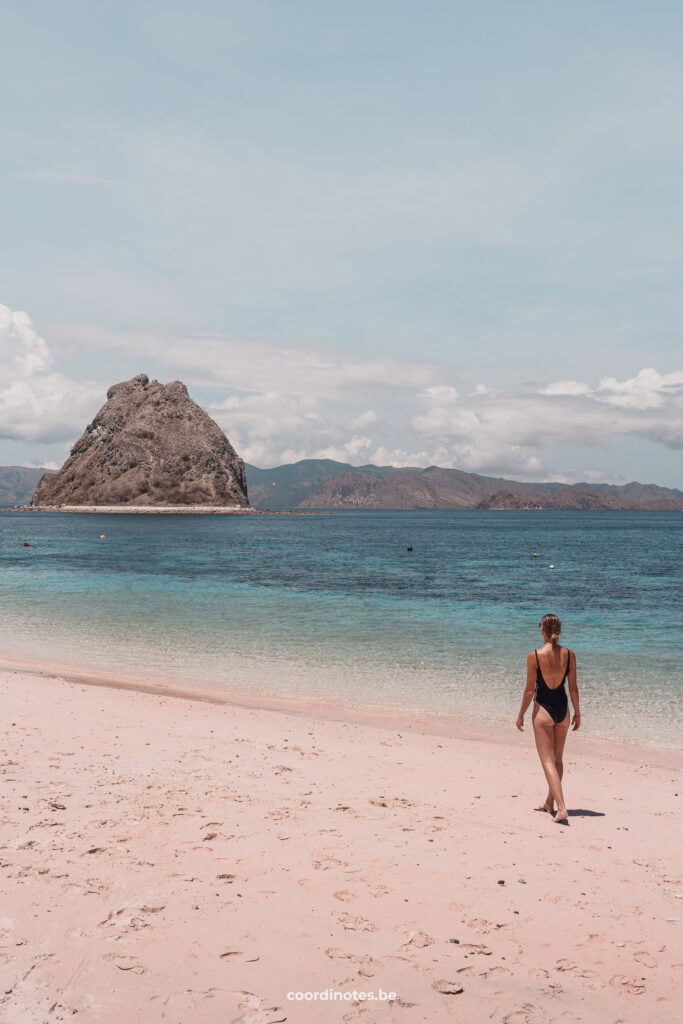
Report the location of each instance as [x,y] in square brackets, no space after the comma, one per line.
[335,606]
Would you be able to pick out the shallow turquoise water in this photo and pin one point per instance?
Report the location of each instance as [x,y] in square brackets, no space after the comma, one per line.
[334,605]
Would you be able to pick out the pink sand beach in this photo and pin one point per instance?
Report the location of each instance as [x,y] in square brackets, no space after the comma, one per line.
[169,859]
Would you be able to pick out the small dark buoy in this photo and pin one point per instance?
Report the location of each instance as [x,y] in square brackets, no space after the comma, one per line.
[409,548]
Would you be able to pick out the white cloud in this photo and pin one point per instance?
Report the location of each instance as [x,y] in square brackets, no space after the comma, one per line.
[402,459]
[357,445]
[36,402]
[266,415]
[43,464]
[647,390]
[594,476]
[281,403]
[442,393]
[447,421]
[366,419]
[260,366]
[566,387]
[515,432]
[496,457]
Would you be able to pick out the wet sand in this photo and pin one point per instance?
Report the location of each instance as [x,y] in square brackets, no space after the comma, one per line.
[180,860]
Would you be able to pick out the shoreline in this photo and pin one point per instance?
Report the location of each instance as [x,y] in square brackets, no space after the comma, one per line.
[194,862]
[450,726]
[308,510]
[165,510]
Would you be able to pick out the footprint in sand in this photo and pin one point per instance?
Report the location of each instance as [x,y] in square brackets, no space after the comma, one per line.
[279,814]
[182,1006]
[481,925]
[367,965]
[392,802]
[418,940]
[239,956]
[570,966]
[590,977]
[303,753]
[356,924]
[125,963]
[476,947]
[627,986]
[324,863]
[344,896]
[645,958]
[525,1015]
[447,988]
[497,970]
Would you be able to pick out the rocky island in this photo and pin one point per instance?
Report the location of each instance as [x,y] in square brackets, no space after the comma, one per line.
[149,446]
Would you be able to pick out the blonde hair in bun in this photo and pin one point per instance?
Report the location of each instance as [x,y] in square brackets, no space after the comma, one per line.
[552,627]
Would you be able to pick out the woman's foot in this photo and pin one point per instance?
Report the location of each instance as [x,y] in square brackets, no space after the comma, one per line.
[547,806]
[561,817]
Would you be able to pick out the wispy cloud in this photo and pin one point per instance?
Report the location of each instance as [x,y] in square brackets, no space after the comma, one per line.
[280,403]
[264,367]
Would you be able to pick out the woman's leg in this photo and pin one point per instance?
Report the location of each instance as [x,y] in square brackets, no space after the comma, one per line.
[544,729]
[559,737]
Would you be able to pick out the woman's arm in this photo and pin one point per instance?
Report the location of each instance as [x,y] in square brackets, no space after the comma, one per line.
[574,693]
[528,694]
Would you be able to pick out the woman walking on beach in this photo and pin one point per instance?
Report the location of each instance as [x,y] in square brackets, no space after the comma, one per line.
[547,669]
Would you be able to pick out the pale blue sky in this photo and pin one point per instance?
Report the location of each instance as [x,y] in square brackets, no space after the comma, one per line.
[336,222]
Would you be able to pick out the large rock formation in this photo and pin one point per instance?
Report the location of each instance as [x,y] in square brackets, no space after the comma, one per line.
[149,444]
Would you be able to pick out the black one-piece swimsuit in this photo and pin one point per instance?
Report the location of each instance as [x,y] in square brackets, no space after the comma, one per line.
[554,699]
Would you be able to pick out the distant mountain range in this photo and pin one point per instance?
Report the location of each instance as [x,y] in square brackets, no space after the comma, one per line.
[324,483]
[17,484]
[454,489]
[288,486]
